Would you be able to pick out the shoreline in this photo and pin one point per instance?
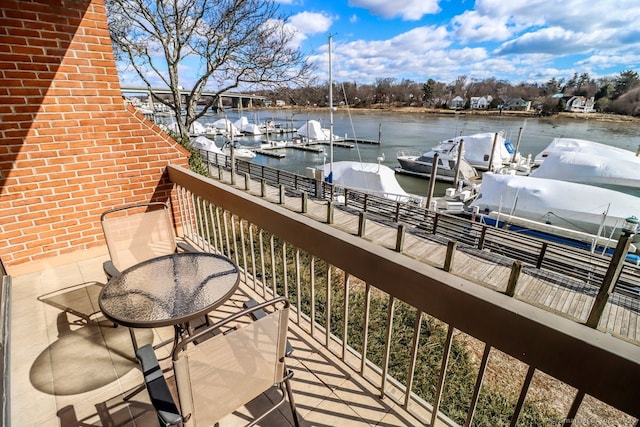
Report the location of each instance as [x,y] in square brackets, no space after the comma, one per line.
[603,117]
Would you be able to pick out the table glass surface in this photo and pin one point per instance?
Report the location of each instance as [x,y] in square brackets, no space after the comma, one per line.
[169,290]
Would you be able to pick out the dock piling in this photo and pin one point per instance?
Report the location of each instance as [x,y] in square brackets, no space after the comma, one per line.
[451,251]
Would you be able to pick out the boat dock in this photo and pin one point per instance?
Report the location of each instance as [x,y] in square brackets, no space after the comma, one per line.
[270,153]
[402,171]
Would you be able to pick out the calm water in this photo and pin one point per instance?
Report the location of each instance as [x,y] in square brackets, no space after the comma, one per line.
[402,131]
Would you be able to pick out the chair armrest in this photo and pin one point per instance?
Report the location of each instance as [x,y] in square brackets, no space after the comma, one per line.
[186,247]
[110,269]
[258,314]
[157,386]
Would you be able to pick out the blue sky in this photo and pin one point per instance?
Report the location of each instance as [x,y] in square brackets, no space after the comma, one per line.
[514,40]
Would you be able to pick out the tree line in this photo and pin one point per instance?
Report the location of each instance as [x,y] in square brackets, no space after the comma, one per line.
[618,94]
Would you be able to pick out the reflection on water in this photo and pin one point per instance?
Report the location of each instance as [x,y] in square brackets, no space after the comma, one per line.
[419,132]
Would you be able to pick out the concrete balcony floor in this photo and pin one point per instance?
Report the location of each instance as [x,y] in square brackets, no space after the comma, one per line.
[71,367]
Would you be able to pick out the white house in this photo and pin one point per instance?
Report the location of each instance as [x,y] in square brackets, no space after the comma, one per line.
[456,103]
[580,104]
[480,102]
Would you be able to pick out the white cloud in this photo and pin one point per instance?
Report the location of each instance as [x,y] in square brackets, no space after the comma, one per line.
[353,19]
[474,27]
[311,22]
[408,10]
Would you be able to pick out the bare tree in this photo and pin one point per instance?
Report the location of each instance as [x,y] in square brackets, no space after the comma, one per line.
[234,43]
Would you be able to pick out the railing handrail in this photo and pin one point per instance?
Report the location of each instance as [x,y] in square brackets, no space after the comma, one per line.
[596,363]
[5,323]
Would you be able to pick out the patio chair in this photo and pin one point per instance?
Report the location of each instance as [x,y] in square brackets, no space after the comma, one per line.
[224,372]
[136,233]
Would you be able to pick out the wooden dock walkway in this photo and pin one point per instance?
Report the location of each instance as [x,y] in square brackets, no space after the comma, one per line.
[552,291]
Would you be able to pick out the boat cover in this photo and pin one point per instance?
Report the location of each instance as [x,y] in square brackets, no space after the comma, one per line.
[204,143]
[589,168]
[313,131]
[369,177]
[565,204]
[583,146]
[477,149]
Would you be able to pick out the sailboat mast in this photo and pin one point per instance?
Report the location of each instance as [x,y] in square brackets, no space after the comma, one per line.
[330,111]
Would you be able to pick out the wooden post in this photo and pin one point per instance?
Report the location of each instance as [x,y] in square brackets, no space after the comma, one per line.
[483,235]
[432,180]
[263,187]
[281,192]
[400,238]
[362,222]
[515,151]
[493,150]
[220,173]
[543,251]
[330,212]
[233,165]
[304,202]
[247,181]
[516,268]
[451,251]
[456,172]
[610,279]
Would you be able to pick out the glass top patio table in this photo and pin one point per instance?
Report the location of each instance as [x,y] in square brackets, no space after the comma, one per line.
[169,290]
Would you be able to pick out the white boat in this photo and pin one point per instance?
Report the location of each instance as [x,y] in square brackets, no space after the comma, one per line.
[312,131]
[372,178]
[247,128]
[586,167]
[478,147]
[226,128]
[422,164]
[582,146]
[203,143]
[556,205]
[239,152]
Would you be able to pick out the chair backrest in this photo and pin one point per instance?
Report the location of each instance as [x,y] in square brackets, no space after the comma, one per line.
[136,233]
[226,371]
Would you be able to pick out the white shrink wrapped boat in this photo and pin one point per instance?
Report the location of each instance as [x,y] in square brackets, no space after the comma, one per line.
[372,178]
[589,168]
[555,205]
[582,146]
[312,131]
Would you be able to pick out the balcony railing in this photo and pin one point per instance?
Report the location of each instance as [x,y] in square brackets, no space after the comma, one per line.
[401,324]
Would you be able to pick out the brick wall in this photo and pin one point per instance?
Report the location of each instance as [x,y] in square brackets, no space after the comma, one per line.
[70,148]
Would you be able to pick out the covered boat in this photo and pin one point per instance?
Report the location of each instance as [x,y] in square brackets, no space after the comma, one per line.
[478,147]
[312,131]
[226,127]
[600,169]
[203,143]
[247,128]
[421,165]
[555,206]
[582,146]
[372,178]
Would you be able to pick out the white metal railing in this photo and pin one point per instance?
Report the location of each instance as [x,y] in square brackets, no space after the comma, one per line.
[350,295]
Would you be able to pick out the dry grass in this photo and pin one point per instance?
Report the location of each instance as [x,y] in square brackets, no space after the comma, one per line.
[507,374]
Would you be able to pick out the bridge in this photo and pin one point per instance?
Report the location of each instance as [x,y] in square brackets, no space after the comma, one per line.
[238,100]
